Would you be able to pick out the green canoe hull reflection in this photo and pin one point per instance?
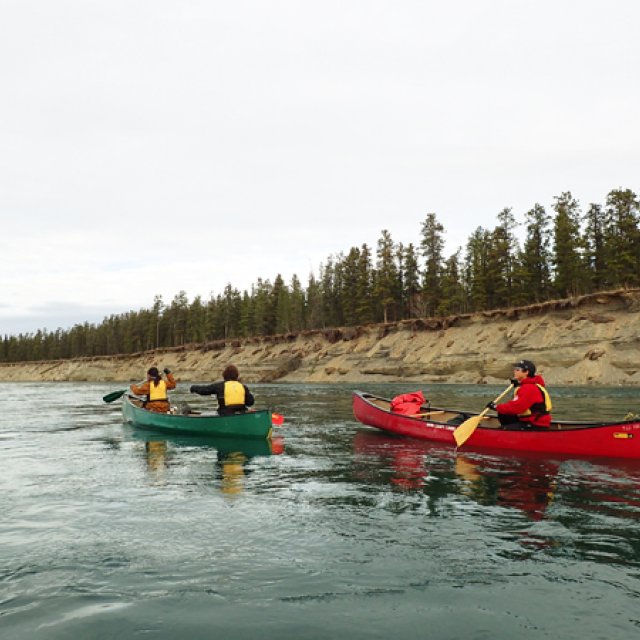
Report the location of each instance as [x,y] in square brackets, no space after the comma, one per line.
[226,446]
[253,424]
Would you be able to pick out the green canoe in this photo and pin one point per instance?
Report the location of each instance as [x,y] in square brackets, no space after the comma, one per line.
[253,424]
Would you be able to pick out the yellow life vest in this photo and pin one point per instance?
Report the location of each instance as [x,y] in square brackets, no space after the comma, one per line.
[539,408]
[233,393]
[157,392]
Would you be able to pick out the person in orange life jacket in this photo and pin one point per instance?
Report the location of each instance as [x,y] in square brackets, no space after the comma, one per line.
[155,388]
[531,404]
[233,396]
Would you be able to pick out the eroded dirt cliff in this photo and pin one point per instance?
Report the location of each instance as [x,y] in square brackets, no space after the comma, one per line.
[591,339]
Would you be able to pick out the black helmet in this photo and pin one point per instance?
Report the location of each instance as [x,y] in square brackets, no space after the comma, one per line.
[526,365]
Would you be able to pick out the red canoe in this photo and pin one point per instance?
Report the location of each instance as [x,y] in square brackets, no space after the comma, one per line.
[611,440]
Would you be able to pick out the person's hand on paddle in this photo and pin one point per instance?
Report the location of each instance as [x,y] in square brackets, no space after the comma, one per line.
[514,382]
[491,405]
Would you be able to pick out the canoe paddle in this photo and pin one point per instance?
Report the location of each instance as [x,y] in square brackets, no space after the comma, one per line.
[114,395]
[466,429]
[277,419]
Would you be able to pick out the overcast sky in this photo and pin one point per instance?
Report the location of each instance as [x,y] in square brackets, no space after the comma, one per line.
[158,146]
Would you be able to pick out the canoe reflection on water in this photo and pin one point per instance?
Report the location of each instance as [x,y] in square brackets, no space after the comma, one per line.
[232,455]
[529,483]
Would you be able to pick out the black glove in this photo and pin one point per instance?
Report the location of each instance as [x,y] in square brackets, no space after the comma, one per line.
[491,405]
[166,370]
[514,382]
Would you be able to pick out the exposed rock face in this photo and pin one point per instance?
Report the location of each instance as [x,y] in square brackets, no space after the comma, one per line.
[593,339]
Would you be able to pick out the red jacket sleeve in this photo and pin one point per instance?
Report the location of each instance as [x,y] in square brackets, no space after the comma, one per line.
[527,395]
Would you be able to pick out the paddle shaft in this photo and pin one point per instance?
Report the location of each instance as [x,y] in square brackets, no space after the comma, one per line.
[502,395]
[466,429]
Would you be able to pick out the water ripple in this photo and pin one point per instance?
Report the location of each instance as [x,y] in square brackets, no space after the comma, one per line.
[108,532]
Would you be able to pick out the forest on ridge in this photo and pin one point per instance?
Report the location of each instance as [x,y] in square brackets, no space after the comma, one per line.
[566,251]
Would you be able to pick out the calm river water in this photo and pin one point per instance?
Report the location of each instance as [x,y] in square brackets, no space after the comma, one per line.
[338,532]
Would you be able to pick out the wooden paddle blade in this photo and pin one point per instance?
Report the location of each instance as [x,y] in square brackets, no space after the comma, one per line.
[466,429]
[114,395]
[277,419]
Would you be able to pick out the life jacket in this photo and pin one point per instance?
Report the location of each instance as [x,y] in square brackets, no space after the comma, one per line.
[157,392]
[541,408]
[234,395]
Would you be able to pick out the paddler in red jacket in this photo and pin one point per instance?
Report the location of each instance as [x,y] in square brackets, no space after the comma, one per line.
[531,404]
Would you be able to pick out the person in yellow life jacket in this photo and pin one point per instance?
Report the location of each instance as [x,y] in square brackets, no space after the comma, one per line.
[233,396]
[531,404]
[155,389]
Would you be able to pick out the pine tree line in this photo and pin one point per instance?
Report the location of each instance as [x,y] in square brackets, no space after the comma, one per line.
[564,253]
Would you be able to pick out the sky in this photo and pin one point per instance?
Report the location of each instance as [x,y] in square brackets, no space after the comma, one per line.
[152,147]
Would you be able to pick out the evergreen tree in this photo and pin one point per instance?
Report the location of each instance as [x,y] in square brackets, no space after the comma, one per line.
[569,274]
[177,318]
[386,289]
[196,321]
[247,320]
[622,238]
[330,283]
[475,273]
[230,311]
[282,307]
[432,245]
[595,247]
[153,329]
[350,267]
[500,262]
[399,259]
[315,304]
[532,270]
[264,311]
[453,299]
[363,294]
[298,305]
[411,283]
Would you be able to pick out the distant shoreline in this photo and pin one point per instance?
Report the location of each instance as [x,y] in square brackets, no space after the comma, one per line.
[590,340]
